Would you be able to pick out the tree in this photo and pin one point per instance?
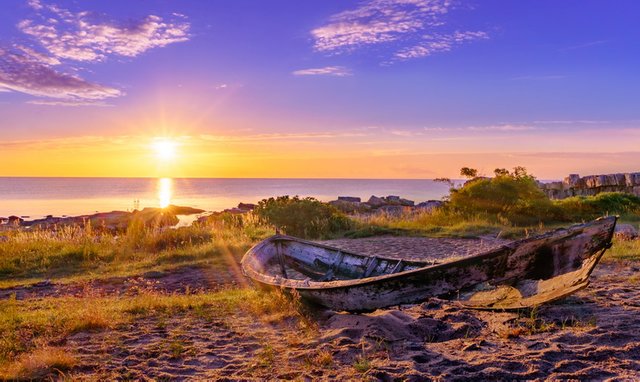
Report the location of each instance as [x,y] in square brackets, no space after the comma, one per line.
[501,172]
[468,172]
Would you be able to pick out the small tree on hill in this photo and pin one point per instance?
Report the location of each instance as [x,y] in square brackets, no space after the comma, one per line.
[468,172]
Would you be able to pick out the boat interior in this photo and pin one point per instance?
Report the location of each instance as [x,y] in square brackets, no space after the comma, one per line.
[300,261]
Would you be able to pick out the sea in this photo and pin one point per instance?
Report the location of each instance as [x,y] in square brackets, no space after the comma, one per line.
[34,198]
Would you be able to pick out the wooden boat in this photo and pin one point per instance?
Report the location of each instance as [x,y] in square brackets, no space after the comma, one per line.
[520,274]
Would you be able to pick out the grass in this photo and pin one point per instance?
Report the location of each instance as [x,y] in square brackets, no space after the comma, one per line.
[72,252]
[529,322]
[622,250]
[40,364]
[29,326]
[438,223]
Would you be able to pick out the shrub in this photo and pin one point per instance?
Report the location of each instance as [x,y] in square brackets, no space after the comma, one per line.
[590,207]
[515,197]
[305,217]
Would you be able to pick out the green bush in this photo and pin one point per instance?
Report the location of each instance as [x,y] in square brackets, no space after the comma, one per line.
[515,197]
[304,217]
[606,203]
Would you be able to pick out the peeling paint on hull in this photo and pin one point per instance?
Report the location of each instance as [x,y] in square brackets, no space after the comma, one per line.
[520,274]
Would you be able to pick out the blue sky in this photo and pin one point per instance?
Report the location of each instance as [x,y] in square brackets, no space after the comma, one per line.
[402,77]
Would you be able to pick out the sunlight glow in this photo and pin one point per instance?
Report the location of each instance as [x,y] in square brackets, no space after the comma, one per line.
[165,191]
[164,148]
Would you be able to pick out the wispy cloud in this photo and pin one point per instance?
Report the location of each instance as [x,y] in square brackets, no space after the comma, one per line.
[501,127]
[83,36]
[28,73]
[410,24]
[70,103]
[337,71]
[585,45]
[573,122]
[280,136]
[378,21]
[432,44]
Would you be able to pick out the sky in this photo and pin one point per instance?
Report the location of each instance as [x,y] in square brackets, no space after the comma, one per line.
[319,88]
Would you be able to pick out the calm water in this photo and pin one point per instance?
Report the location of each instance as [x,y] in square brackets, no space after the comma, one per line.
[37,197]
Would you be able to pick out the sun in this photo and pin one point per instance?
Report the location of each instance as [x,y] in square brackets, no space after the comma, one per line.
[164,148]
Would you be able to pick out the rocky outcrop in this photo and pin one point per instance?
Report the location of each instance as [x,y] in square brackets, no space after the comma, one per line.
[430,205]
[376,202]
[112,221]
[574,185]
[350,199]
[390,204]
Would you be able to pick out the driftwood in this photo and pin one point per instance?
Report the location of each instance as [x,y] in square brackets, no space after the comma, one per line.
[521,274]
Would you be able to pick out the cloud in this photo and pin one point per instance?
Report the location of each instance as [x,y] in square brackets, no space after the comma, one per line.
[44,102]
[574,122]
[64,35]
[337,71]
[503,128]
[437,43]
[408,25]
[585,45]
[378,21]
[33,73]
[280,136]
[83,36]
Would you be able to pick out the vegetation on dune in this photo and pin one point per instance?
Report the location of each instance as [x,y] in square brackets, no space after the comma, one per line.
[303,217]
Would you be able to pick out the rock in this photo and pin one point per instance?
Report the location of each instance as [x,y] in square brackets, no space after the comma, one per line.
[430,205]
[392,199]
[376,202]
[14,220]
[625,232]
[590,181]
[180,210]
[406,202]
[352,199]
[247,206]
[572,180]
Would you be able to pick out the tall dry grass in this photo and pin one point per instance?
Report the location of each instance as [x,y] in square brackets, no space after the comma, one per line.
[74,251]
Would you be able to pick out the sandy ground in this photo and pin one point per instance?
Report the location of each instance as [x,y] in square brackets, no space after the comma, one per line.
[593,335]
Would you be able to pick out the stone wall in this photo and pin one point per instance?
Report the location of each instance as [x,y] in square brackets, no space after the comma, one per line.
[574,185]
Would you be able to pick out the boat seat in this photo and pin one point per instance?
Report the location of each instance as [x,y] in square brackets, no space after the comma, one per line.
[398,267]
[373,263]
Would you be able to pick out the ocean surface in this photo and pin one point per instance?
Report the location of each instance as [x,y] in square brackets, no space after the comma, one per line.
[34,198]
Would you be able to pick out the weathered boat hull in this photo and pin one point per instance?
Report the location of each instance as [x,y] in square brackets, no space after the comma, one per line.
[520,274]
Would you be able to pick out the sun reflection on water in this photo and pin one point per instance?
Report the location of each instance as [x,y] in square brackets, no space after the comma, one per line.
[165,191]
